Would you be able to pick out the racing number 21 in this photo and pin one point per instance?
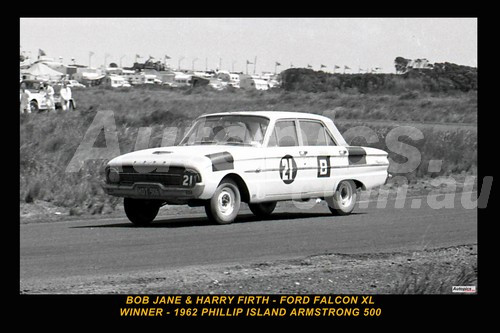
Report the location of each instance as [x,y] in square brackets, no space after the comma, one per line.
[288,169]
[188,180]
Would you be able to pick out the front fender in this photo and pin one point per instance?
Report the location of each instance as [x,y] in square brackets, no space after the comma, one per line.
[210,180]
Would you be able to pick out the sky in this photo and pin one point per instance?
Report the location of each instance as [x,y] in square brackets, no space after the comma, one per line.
[206,43]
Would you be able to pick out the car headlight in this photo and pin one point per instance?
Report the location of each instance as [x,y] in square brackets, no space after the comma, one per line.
[112,175]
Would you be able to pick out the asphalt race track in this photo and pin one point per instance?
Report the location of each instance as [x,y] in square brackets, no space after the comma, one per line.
[115,246]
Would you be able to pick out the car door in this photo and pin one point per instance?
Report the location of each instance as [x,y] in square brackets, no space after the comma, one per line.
[327,161]
[286,175]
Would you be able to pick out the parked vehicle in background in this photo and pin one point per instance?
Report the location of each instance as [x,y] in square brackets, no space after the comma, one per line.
[231,79]
[75,84]
[37,95]
[116,81]
[249,82]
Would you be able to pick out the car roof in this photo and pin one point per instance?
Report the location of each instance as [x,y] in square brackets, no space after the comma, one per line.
[272,114]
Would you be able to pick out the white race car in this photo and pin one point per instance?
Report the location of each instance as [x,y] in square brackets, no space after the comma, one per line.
[257,157]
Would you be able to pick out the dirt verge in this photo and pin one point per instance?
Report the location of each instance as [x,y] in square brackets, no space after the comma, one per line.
[429,271]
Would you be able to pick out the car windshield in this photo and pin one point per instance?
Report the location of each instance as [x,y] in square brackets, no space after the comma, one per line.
[240,130]
[32,86]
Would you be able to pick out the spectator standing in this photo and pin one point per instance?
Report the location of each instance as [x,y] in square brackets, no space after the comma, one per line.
[65,96]
[25,100]
[49,97]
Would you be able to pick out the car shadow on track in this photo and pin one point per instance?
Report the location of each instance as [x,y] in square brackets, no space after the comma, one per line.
[182,222]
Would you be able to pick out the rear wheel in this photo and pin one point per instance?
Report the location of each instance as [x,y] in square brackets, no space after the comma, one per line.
[225,203]
[344,199]
[263,209]
[141,212]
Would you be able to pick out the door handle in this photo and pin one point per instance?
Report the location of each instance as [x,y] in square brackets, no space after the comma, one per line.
[343,152]
[303,153]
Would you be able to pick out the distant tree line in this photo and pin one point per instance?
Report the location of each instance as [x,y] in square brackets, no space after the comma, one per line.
[438,77]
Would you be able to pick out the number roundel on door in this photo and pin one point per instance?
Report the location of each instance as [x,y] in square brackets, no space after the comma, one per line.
[288,169]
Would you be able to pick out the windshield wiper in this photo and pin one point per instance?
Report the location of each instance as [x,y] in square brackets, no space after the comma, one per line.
[204,142]
[237,143]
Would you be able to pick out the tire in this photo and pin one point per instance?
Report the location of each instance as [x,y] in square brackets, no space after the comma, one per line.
[344,198]
[224,206]
[141,212]
[263,209]
[34,106]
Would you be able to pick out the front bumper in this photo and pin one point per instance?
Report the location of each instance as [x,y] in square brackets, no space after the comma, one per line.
[155,191]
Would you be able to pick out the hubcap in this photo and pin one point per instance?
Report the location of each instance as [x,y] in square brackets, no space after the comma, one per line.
[345,195]
[225,201]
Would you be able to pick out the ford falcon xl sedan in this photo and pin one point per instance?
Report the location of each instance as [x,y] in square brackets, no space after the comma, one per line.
[255,157]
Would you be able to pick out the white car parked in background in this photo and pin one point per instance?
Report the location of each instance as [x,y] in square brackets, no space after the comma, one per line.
[257,157]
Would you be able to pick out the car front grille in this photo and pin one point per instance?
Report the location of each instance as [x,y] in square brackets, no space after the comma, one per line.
[171,176]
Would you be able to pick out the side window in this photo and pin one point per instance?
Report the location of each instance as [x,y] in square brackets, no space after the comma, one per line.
[313,133]
[286,133]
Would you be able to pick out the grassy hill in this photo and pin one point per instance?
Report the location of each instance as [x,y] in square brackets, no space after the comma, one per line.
[441,77]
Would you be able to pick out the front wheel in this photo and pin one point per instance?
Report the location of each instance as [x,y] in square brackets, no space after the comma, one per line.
[263,209]
[141,212]
[344,199]
[224,205]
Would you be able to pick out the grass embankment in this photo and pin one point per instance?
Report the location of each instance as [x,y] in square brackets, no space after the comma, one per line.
[143,106]
[49,141]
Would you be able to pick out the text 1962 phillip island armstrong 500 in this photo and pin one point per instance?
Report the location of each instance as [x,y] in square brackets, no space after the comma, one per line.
[254,157]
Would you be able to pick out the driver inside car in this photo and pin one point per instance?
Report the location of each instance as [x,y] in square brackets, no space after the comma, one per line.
[220,133]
